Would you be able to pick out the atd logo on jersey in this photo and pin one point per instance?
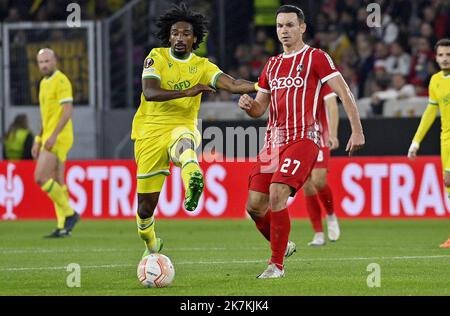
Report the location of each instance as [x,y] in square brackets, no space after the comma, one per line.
[285,83]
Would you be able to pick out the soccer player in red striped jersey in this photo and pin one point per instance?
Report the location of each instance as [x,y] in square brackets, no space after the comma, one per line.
[316,189]
[290,85]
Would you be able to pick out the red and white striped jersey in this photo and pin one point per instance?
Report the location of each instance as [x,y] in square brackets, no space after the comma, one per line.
[294,82]
[325,93]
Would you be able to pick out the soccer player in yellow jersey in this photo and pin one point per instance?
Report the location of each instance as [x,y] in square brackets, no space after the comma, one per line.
[164,127]
[52,145]
[439,92]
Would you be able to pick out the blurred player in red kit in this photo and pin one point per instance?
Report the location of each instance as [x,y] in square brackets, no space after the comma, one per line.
[316,189]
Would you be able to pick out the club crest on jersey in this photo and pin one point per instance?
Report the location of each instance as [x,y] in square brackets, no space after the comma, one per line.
[299,68]
[192,69]
[149,62]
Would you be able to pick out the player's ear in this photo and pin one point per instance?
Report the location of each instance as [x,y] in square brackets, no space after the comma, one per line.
[303,27]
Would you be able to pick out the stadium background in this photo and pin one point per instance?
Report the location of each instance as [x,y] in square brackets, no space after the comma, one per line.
[103,58]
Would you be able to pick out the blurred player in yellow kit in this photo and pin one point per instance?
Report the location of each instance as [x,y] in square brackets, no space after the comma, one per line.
[439,92]
[164,127]
[52,145]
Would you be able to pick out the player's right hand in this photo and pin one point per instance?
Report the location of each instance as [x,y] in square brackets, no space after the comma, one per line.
[333,142]
[35,150]
[197,89]
[412,151]
[245,102]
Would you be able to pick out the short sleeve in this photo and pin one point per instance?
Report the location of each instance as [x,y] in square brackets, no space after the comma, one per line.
[327,92]
[433,99]
[263,81]
[324,66]
[64,92]
[153,66]
[211,74]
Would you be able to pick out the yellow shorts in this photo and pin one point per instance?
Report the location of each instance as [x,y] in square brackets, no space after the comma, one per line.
[61,148]
[153,157]
[445,156]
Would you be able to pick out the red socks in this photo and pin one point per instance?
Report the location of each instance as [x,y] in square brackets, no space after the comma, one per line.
[326,197]
[314,211]
[280,228]
[263,224]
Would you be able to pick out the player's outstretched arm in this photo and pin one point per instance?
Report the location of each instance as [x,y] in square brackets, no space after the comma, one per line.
[152,91]
[239,86]
[255,108]
[427,120]
[341,88]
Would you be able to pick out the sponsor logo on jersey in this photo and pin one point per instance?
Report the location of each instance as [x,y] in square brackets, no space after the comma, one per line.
[179,85]
[299,68]
[285,83]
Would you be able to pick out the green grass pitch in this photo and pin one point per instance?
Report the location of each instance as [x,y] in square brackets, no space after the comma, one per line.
[222,257]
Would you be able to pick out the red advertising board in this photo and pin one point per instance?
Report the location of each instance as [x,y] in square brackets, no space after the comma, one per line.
[382,187]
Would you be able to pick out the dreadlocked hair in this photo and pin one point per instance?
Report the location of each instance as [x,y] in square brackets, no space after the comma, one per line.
[181,13]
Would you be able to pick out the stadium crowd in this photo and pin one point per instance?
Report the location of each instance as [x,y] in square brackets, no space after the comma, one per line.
[377,62]
[51,10]
[395,60]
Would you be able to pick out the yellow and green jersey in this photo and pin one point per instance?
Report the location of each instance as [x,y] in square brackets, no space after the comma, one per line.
[54,92]
[439,93]
[156,118]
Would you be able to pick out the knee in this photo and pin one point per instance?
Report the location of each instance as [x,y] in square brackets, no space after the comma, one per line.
[278,197]
[256,207]
[319,179]
[182,145]
[309,188]
[320,183]
[146,208]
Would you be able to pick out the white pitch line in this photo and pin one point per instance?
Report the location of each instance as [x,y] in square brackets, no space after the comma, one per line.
[105,266]
[5,269]
[73,250]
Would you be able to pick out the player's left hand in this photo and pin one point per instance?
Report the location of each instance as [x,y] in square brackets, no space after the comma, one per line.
[50,143]
[333,142]
[412,151]
[355,143]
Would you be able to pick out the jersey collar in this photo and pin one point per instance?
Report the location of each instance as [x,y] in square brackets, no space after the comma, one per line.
[296,53]
[52,75]
[178,59]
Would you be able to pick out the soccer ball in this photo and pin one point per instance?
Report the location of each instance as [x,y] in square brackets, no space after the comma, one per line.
[155,270]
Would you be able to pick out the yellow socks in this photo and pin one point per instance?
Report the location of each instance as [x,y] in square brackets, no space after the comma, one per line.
[68,212]
[189,163]
[56,194]
[146,230]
